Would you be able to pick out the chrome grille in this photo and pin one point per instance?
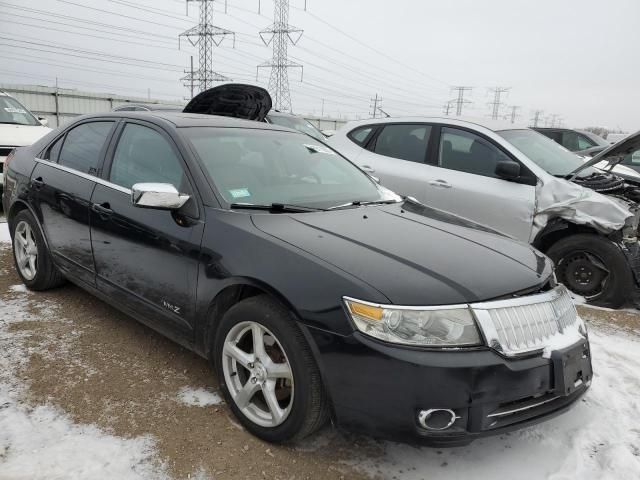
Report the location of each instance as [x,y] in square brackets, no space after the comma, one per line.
[526,324]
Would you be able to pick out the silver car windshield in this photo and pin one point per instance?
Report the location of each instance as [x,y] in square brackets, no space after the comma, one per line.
[546,153]
[264,167]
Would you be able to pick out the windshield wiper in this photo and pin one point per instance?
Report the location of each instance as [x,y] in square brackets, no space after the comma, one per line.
[358,203]
[275,207]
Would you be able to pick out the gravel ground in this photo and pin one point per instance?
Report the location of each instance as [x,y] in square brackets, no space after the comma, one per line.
[104,369]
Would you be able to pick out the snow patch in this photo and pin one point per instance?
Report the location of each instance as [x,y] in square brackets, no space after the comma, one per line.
[599,439]
[42,442]
[4,233]
[199,397]
[20,288]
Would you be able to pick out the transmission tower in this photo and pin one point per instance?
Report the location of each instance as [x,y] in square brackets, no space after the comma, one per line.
[205,36]
[537,115]
[497,103]
[278,35]
[460,101]
[514,113]
[447,107]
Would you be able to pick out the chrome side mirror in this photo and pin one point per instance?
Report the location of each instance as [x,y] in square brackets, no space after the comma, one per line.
[161,196]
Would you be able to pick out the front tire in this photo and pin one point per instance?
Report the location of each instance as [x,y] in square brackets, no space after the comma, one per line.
[593,267]
[267,372]
[31,256]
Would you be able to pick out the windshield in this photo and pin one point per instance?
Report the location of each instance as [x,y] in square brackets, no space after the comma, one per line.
[546,153]
[597,139]
[12,112]
[263,167]
[297,123]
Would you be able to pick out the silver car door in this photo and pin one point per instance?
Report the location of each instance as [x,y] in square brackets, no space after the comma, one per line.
[465,183]
[397,157]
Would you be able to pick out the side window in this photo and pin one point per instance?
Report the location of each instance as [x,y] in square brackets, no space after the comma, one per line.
[54,150]
[574,142]
[145,156]
[406,142]
[467,152]
[360,135]
[82,147]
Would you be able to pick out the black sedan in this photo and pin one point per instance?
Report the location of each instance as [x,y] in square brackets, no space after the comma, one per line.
[315,292]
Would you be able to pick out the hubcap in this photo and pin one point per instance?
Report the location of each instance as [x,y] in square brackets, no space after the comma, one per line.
[583,273]
[26,250]
[258,374]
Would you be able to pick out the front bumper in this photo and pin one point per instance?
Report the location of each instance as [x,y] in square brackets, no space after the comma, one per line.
[380,389]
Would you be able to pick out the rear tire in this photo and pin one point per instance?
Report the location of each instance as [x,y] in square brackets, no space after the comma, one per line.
[579,261]
[31,255]
[301,403]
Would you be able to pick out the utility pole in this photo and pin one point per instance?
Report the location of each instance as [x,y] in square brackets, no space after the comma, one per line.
[447,107]
[497,103]
[514,113]
[278,35]
[537,114]
[191,78]
[205,35]
[376,104]
[460,101]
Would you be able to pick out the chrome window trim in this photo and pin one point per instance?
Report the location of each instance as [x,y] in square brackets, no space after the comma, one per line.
[87,176]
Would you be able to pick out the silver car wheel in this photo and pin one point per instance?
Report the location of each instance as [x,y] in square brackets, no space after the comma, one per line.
[26,250]
[258,374]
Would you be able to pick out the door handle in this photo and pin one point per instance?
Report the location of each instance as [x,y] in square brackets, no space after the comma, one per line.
[367,168]
[37,183]
[103,209]
[440,183]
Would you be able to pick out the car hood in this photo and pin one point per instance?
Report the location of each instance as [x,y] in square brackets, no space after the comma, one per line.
[232,100]
[614,154]
[413,254]
[21,135]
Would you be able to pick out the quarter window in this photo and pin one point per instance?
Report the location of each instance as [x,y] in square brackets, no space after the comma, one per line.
[83,145]
[406,142]
[54,150]
[145,156]
[360,135]
[466,152]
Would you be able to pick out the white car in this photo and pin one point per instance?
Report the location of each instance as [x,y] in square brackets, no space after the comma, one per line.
[18,128]
[515,181]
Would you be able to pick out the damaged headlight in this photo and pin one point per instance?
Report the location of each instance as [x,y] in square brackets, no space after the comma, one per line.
[423,326]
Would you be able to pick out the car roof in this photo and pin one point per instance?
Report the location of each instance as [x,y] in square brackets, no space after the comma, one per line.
[185,120]
[153,106]
[494,125]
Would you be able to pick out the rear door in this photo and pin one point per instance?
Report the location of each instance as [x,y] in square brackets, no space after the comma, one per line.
[147,259]
[396,154]
[62,184]
[464,182]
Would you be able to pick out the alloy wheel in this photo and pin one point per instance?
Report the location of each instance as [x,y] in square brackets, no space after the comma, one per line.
[258,374]
[26,250]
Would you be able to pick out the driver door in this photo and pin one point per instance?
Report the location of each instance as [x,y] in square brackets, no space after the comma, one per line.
[463,181]
[147,259]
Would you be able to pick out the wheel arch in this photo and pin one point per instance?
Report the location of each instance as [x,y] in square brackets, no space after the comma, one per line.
[238,289]
[556,230]
[20,206]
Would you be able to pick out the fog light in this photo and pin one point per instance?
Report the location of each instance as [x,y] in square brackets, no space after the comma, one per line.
[437,418]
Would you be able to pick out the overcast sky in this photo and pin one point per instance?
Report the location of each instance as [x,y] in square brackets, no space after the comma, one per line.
[576,59]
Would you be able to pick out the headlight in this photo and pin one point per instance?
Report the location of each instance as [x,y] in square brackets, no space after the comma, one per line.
[428,326]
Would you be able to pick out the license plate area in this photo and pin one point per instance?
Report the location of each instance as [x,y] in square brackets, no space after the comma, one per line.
[571,368]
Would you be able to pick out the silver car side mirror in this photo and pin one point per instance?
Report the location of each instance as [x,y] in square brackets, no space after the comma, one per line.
[43,121]
[162,196]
